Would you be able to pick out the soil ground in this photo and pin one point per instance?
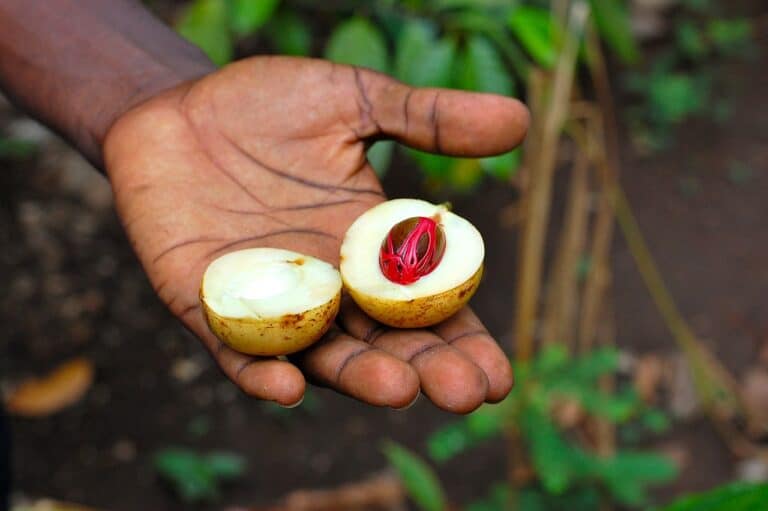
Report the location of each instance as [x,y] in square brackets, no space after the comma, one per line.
[72,287]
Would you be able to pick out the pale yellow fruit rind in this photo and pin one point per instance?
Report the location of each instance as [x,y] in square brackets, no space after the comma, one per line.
[418,312]
[273,336]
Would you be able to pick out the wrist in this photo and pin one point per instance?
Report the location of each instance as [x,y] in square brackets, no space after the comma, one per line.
[132,91]
[80,72]
[156,114]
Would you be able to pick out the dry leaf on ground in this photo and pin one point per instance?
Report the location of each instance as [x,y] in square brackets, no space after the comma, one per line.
[62,387]
[50,505]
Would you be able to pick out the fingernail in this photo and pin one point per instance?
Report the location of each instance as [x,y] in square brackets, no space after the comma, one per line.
[294,405]
[404,408]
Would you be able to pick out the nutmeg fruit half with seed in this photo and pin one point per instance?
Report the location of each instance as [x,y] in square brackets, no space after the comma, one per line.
[410,264]
[269,301]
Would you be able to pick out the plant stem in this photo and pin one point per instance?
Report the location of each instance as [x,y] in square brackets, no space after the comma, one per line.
[541,159]
[563,287]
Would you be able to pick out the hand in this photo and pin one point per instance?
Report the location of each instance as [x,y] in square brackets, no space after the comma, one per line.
[270,151]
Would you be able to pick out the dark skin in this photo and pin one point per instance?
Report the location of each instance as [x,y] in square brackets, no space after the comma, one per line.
[270,151]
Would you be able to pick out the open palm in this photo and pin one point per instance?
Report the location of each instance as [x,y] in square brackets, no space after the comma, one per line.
[270,151]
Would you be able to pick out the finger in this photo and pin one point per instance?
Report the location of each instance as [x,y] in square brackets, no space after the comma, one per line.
[465,332]
[263,378]
[450,379]
[446,121]
[353,367]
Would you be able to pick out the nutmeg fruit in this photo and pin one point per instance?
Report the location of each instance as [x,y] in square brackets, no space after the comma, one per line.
[269,301]
[410,264]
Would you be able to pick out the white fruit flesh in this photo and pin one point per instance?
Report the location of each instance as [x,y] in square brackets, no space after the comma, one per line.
[269,301]
[463,256]
[267,283]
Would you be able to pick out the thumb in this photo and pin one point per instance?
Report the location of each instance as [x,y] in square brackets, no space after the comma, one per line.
[446,121]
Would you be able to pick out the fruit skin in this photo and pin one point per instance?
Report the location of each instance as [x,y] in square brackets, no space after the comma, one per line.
[418,312]
[273,336]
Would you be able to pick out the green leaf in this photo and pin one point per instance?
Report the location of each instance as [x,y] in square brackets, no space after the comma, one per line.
[433,165]
[247,16]
[534,28]
[555,460]
[561,464]
[691,40]
[205,23]
[485,422]
[628,474]
[730,35]
[412,45]
[290,34]
[618,408]
[578,380]
[435,70]
[460,174]
[16,149]
[359,43]
[732,497]
[419,480]
[188,473]
[465,174]
[421,59]
[513,54]
[471,5]
[558,371]
[503,166]
[613,23]
[480,68]
[579,499]
[380,155]
[675,96]
[449,441]
[226,465]
[456,437]
[498,499]
[596,363]
[655,421]
[552,358]
[195,477]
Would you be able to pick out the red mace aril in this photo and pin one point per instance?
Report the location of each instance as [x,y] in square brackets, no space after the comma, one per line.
[412,249]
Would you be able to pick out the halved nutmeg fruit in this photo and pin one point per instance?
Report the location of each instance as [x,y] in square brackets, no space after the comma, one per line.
[409,263]
[269,301]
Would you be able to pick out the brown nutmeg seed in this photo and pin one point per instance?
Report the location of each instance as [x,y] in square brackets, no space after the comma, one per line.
[412,249]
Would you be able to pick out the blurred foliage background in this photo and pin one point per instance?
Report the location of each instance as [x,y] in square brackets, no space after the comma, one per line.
[485,46]
[576,425]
